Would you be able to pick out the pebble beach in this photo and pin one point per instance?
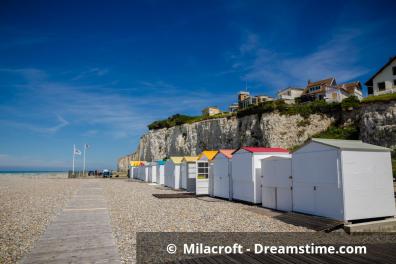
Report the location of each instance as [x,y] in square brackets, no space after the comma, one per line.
[29,204]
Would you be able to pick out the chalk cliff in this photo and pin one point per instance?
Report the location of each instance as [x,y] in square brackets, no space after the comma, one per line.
[376,121]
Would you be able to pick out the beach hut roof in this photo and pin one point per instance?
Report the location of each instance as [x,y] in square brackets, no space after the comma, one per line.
[209,154]
[227,152]
[135,163]
[355,145]
[176,160]
[161,162]
[190,158]
[263,150]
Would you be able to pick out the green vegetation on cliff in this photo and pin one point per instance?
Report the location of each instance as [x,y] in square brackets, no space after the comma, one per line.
[178,119]
[304,109]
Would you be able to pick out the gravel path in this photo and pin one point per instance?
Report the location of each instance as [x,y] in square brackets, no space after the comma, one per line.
[134,209]
[27,205]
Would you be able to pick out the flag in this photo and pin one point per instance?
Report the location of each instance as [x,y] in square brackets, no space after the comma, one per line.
[77,152]
[86,146]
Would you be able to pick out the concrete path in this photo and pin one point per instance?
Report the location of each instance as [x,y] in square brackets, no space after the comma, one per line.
[80,234]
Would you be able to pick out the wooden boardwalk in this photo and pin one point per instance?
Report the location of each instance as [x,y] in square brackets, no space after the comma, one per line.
[81,233]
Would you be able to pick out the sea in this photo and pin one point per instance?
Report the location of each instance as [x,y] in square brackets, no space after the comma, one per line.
[45,174]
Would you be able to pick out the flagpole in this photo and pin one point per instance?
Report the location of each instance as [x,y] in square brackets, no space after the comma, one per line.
[74,151]
[85,146]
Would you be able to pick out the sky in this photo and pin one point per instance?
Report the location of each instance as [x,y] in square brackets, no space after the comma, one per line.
[98,72]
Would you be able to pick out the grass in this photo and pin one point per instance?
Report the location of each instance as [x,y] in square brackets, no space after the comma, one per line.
[335,132]
[380,98]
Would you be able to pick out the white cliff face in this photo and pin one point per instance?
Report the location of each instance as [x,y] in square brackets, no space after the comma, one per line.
[269,130]
[376,121]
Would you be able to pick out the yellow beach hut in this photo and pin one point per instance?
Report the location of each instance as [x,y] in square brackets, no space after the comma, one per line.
[204,178]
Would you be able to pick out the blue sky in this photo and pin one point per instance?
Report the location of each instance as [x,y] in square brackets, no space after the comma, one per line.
[75,72]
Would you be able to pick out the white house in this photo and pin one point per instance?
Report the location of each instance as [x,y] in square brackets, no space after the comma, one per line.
[384,80]
[289,94]
[160,172]
[188,173]
[222,180]
[172,172]
[343,179]
[276,191]
[204,180]
[246,171]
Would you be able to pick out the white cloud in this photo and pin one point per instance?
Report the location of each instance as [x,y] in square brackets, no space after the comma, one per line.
[117,113]
[36,127]
[339,56]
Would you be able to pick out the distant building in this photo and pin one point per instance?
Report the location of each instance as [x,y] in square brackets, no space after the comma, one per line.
[289,94]
[384,80]
[245,99]
[233,107]
[243,95]
[328,90]
[211,110]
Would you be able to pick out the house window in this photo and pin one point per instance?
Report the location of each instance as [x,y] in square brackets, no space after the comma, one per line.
[314,88]
[394,82]
[394,70]
[381,86]
[370,90]
[203,170]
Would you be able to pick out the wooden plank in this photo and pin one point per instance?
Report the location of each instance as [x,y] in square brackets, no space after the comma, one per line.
[174,195]
[309,221]
[81,233]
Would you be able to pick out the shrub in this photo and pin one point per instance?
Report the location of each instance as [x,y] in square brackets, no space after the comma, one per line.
[334,132]
[177,120]
[174,120]
[350,102]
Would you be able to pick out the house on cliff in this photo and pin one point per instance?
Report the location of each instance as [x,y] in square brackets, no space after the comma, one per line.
[329,90]
[384,80]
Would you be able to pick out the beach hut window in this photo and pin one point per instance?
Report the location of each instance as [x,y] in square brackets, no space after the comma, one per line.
[203,170]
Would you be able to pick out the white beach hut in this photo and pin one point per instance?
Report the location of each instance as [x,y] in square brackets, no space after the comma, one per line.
[160,167]
[133,169]
[149,171]
[172,172]
[154,172]
[246,171]
[276,190]
[188,173]
[222,180]
[146,172]
[343,179]
[204,176]
[142,172]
